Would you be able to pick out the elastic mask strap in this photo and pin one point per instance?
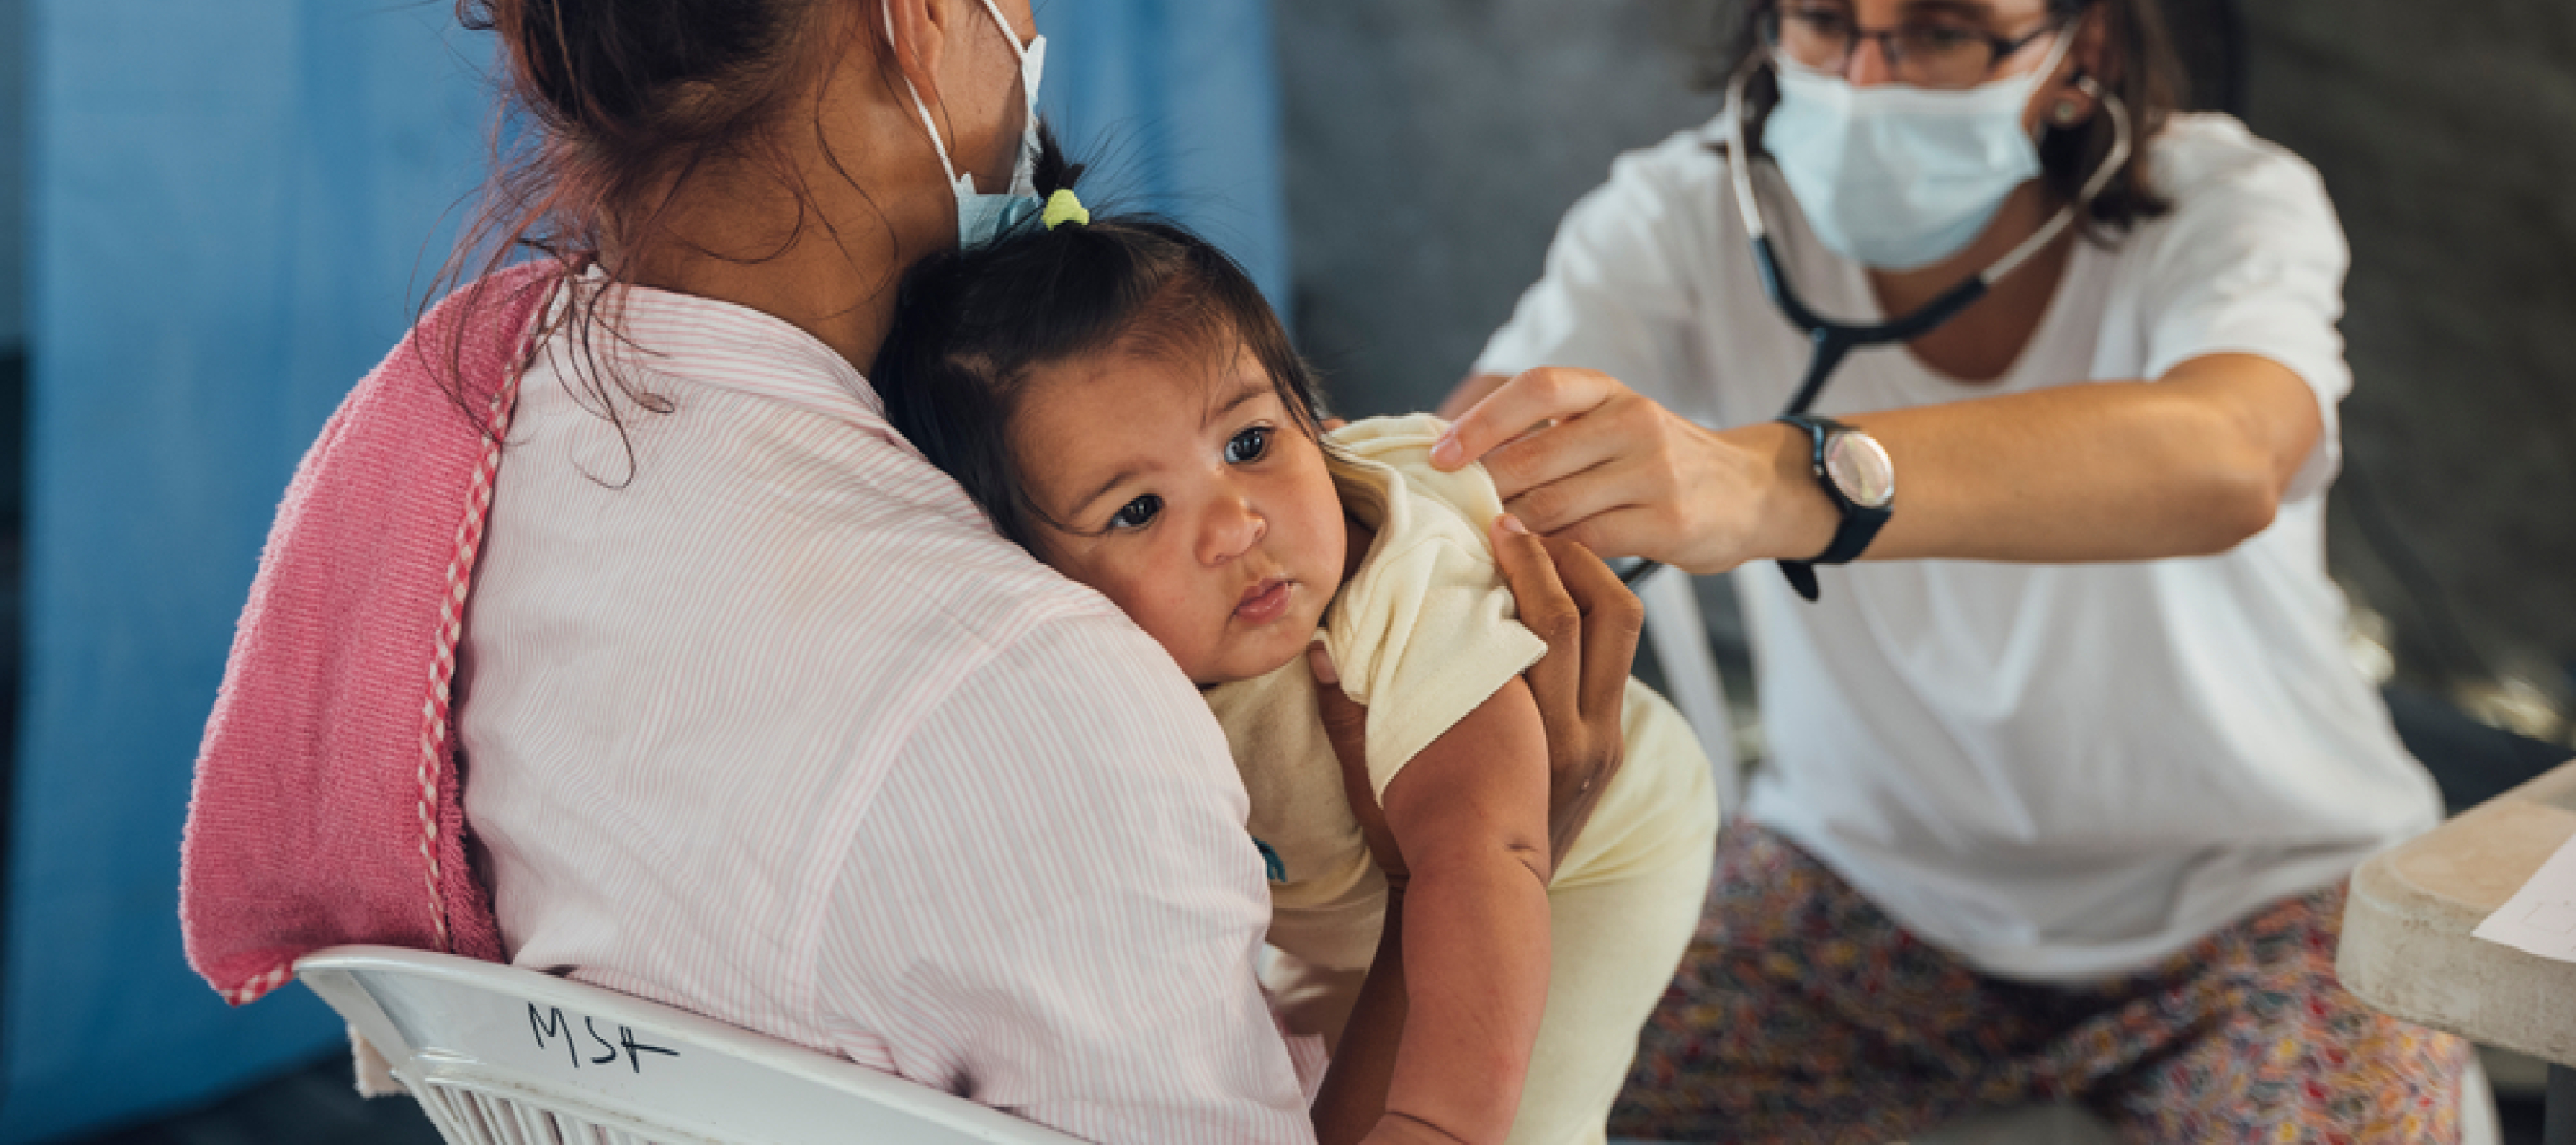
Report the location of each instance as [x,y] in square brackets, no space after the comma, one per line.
[2056,55]
[930,123]
[2094,184]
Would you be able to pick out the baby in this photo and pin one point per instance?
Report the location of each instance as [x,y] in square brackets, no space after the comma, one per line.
[1122,402]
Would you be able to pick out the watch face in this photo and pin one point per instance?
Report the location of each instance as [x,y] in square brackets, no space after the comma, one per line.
[1859,467]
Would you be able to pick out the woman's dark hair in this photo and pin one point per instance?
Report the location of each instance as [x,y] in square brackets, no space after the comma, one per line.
[972,327]
[609,108]
[2139,68]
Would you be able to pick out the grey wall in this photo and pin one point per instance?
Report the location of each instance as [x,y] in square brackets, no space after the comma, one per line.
[1434,143]
[2447,135]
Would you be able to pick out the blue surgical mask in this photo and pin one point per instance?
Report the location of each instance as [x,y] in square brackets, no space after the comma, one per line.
[1896,177]
[981,218]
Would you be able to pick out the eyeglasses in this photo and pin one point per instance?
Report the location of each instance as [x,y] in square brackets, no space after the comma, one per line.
[1931,51]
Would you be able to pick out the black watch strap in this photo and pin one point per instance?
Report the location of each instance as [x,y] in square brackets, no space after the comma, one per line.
[1860,523]
[1802,577]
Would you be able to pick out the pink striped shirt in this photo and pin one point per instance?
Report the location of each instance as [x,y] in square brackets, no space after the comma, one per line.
[762,720]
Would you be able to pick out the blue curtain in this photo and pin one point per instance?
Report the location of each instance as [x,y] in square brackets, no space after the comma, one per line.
[1176,102]
[235,210]
[233,206]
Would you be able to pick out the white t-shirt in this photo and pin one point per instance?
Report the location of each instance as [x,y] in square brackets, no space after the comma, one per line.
[2058,772]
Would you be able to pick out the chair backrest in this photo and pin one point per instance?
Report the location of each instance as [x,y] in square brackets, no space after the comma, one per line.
[499,1055]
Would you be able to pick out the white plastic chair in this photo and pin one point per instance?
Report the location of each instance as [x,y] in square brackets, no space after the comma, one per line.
[499,1055]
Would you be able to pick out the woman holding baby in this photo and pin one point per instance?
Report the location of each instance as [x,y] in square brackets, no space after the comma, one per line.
[763,719]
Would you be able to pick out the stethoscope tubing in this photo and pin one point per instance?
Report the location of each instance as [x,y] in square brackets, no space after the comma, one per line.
[1830,340]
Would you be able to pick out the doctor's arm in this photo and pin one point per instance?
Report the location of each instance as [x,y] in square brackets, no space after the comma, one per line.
[2189,463]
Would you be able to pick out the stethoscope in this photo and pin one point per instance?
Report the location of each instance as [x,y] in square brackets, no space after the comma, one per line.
[1830,340]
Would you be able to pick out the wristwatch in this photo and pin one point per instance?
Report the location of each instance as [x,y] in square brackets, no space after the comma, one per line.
[1854,469]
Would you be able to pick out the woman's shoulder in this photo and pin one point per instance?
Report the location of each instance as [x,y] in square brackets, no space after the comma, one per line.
[1689,163]
[2209,158]
[955,593]
[2232,196]
[748,523]
[987,593]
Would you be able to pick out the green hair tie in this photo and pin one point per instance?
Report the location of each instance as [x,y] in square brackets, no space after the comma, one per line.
[1062,207]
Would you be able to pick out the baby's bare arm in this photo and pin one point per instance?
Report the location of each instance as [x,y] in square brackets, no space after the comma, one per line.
[1469,815]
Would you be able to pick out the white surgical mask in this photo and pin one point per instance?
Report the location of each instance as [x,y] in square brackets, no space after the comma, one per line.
[1896,177]
[980,217]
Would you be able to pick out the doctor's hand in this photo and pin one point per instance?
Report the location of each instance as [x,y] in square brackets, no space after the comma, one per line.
[1590,622]
[1581,457]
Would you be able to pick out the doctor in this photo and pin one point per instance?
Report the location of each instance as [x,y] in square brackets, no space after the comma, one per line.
[2067,767]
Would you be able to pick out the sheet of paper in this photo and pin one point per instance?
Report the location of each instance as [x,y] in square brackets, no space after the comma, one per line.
[2541,917]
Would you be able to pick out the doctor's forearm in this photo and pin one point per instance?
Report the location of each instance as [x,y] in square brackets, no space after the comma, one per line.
[2192,464]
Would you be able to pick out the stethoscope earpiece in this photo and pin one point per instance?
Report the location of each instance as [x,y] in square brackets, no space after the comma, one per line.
[2068,112]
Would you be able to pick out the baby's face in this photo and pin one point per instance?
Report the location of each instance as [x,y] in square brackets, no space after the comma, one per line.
[1192,499]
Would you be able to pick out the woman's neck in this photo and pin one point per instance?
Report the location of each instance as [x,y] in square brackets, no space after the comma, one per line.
[846,301]
[1982,342]
[826,253]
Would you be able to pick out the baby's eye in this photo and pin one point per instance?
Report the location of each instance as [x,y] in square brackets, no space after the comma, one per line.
[1136,513]
[1248,446]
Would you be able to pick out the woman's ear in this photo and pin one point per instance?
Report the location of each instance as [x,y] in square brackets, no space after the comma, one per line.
[918,33]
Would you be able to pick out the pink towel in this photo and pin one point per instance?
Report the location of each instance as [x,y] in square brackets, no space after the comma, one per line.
[328,807]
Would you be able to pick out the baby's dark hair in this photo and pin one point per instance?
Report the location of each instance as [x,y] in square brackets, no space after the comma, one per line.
[970,328]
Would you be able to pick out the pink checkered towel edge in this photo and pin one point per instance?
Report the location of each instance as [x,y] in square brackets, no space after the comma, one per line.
[328,807]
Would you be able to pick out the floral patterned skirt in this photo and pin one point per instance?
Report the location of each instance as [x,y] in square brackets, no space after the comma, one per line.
[1802,1013]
